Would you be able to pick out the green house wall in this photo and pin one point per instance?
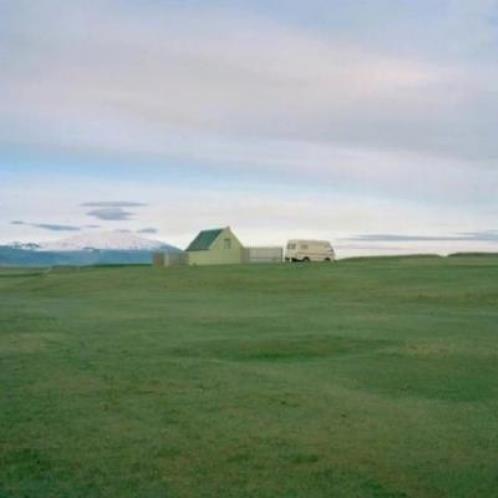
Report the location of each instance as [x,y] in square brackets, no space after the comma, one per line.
[218,254]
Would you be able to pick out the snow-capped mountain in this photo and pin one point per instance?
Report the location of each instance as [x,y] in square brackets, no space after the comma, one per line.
[103,241]
[85,249]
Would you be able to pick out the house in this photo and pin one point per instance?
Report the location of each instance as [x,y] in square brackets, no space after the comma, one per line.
[215,247]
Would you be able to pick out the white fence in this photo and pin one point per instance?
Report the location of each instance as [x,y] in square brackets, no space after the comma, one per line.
[263,255]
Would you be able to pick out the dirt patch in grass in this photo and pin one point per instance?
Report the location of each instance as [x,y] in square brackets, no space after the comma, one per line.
[28,342]
[444,376]
[281,349]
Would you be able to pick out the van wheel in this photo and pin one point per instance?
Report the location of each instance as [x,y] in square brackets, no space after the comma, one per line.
[327,259]
[306,259]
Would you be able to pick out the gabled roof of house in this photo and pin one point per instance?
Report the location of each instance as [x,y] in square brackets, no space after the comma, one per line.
[204,240]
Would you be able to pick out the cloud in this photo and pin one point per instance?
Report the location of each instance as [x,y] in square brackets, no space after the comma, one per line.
[111,214]
[112,210]
[57,228]
[250,78]
[49,226]
[113,204]
[259,217]
[354,102]
[148,230]
[480,236]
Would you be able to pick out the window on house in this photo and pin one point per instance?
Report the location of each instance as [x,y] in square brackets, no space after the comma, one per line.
[227,244]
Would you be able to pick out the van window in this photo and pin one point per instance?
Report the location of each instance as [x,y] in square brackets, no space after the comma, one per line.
[304,247]
[227,243]
[291,246]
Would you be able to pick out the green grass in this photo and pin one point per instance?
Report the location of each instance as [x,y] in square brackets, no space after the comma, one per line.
[374,378]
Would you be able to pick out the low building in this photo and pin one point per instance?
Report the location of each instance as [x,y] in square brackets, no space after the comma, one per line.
[215,247]
[169,258]
[158,258]
[263,254]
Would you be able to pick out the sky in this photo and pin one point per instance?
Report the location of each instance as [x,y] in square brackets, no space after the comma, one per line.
[373,124]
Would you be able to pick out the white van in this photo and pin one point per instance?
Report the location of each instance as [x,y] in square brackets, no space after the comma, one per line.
[309,250]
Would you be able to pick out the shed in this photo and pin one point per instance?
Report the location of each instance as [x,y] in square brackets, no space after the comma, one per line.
[215,247]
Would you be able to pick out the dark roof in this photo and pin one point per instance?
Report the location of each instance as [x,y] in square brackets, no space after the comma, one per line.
[204,240]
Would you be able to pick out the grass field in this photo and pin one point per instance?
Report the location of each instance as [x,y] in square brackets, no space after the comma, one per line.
[365,378]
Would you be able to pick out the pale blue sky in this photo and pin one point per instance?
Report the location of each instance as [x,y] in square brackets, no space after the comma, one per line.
[370,123]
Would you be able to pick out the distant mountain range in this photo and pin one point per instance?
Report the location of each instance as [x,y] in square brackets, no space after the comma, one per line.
[100,248]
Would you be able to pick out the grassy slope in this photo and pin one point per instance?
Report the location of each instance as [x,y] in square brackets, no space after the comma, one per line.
[365,379]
